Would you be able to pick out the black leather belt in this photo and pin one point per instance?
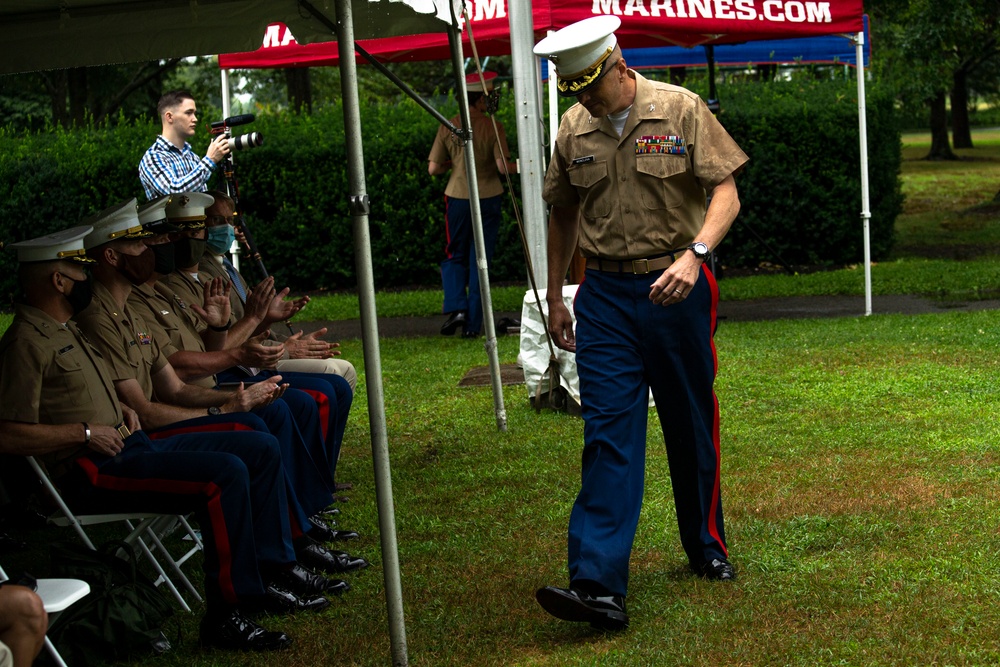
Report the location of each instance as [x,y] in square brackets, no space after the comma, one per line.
[636,266]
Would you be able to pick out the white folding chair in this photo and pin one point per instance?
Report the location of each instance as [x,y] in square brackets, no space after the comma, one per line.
[57,595]
[141,525]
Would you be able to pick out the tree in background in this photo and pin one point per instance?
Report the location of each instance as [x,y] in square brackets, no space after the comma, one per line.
[928,51]
[68,97]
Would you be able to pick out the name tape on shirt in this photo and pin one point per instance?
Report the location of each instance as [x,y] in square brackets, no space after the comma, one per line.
[670,144]
[584,160]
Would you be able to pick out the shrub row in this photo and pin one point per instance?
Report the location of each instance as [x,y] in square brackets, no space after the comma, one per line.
[801,191]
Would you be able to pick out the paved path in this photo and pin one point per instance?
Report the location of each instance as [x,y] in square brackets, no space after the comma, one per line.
[729,311]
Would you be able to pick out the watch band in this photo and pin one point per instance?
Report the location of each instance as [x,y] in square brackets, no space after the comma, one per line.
[86,433]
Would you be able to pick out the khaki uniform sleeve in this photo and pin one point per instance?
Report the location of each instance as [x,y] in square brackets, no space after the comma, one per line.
[557,189]
[439,149]
[21,365]
[715,154]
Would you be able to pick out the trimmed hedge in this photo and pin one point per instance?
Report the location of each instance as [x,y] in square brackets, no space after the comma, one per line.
[801,190]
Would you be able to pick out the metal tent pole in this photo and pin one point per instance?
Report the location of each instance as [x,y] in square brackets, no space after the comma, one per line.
[866,215]
[359,209]
[234,249]
[489,328]
[529,135]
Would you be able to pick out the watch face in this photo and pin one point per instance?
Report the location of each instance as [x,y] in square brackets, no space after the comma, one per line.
[214,411]
[700,250]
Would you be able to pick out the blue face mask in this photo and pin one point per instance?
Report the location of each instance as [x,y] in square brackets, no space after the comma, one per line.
[220,239]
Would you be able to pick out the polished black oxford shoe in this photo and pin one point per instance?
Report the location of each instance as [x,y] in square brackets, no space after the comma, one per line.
[321,559]
[605,612]
[455,321]
[319,531]
[280,600]
[235,632]
[306,583]
[719,569]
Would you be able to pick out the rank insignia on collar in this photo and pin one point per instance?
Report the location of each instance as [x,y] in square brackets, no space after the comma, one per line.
[652,107]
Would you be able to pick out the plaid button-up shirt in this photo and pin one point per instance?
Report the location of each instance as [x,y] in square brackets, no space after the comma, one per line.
[166,169]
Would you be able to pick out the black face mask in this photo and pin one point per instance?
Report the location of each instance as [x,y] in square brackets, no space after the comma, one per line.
[79,297]
[137,268]
[163,253]
[188,251]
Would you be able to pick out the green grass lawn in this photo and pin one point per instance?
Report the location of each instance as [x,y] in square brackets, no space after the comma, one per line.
[861,481]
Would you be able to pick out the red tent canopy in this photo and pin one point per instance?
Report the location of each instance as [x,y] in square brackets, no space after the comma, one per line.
[644,23]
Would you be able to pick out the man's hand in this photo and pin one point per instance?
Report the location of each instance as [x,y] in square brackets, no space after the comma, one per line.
[311,346]
[561,326]
[261,394]
[260,298]
[217,308]
[675,284]
[105,440]
[218,149]
[282,310]
[132,422]
[254,353]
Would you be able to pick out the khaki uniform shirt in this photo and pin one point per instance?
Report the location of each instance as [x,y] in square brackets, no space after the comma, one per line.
[641,194]
[52,374]
[487,149]
[185,286]
[124,338]
[170,321]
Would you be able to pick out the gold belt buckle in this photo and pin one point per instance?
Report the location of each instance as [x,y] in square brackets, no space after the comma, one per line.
[123,431]
[645,265]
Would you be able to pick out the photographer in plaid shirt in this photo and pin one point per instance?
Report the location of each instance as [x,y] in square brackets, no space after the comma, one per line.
[170,165]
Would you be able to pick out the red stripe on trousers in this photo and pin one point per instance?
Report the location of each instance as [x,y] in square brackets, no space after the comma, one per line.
[713,526]
[172,486]
[323,405]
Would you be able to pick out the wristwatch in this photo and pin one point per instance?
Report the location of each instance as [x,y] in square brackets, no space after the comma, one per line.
[214,411]
[700,250]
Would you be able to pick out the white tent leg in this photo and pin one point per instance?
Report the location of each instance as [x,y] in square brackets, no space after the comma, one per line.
[369,333]
[489,328]
[234,249]
[859,45]
[529,136]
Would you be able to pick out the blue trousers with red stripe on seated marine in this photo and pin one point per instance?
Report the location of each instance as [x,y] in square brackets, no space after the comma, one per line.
[293,420]
[230,476]
[627,345]
[332,396]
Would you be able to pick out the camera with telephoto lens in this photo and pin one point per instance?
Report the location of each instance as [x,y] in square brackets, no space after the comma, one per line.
[248,140]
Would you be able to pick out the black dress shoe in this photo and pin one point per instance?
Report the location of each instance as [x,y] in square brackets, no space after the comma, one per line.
[569,604]
[329,512]
[319,531]
[454,321]
[321,559]
[236,632]
[280,600]
[470,334]
[306,583]
[719,569]
[323,518]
